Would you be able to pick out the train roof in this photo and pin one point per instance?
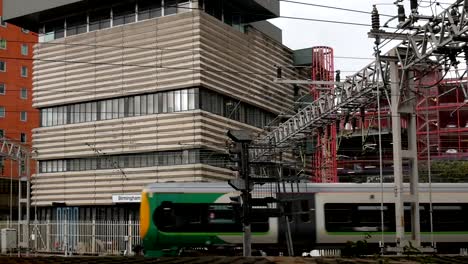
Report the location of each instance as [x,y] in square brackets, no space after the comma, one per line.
[224,187]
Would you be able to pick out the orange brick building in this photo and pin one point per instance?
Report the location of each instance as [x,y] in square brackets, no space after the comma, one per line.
[17,116]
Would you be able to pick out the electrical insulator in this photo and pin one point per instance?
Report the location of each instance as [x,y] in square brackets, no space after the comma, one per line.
[375,17]
[401,13]
[414,6]
[465,53]
[453,58]
[363,115]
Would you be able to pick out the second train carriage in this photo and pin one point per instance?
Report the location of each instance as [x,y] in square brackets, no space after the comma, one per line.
[177,216]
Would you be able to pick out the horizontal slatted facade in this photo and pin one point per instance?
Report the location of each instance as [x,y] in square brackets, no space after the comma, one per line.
[185,50]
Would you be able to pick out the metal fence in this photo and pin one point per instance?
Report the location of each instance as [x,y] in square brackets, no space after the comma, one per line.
[82,237]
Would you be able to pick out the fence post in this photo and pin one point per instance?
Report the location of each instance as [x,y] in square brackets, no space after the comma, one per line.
[48,235]
[36,226]
[93,237]
[130,236]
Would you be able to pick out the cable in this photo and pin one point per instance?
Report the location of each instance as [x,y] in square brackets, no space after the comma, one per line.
[332,7]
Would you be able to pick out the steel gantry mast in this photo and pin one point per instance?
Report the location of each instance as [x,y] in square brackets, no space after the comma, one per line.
[423,48]
[11,149]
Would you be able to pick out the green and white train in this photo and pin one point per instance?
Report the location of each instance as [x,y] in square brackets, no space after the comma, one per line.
[177,216]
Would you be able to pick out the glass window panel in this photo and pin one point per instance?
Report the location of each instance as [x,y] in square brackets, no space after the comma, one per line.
[99,19]
[49,166]
[44,117]
[144,160]
[131,161]
[60,114]
[115,108]
[191,99]
[184,100]
[183,6]
[150,104]
[94,111]
[144,105]
[131,106]
[137,105]
[43,166]
[76,25]
[163,98]
[87,164]
[149,9]
[170,102]
[54,116]
[137,161]
[123,14]
[60,166]
[177,106]
[54,166]
[103,110]
[88,112]
[49,117]
[82,164]
[76,113]
[156,103]
[108,109]
[150,157]
[121,107]
[82,112]
[170,7]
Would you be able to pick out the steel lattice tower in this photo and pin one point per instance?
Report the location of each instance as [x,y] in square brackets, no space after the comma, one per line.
[324,157]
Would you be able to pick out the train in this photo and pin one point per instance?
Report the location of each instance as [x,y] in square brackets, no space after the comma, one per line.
[183,217]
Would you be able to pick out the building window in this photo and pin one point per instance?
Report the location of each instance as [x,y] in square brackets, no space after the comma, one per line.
[24,49]
[76,25]
[2,133]
[24,116]
[2,66]
[2,23]
[2,111]
[24,71]
[24,93]
[23,138]
[2,88]
[52,30]
[149,9]
[123,14]
[99,19]
[3,43]
[170,7]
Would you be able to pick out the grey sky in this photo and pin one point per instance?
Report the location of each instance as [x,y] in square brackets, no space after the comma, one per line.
[346,40]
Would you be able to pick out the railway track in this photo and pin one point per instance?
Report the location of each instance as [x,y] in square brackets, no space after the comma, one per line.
[228,260]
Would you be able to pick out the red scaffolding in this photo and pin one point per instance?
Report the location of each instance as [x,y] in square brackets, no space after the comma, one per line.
[324,157]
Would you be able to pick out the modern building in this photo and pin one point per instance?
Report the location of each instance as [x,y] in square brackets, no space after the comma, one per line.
[17,116]
[135,92]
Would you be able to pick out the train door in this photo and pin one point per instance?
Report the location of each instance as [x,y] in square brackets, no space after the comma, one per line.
[300,212]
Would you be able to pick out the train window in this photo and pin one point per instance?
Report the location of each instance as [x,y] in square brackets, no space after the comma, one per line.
[369,218]
[164,217]
[189,217]
[338,217]
[450,217]
[221,214]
